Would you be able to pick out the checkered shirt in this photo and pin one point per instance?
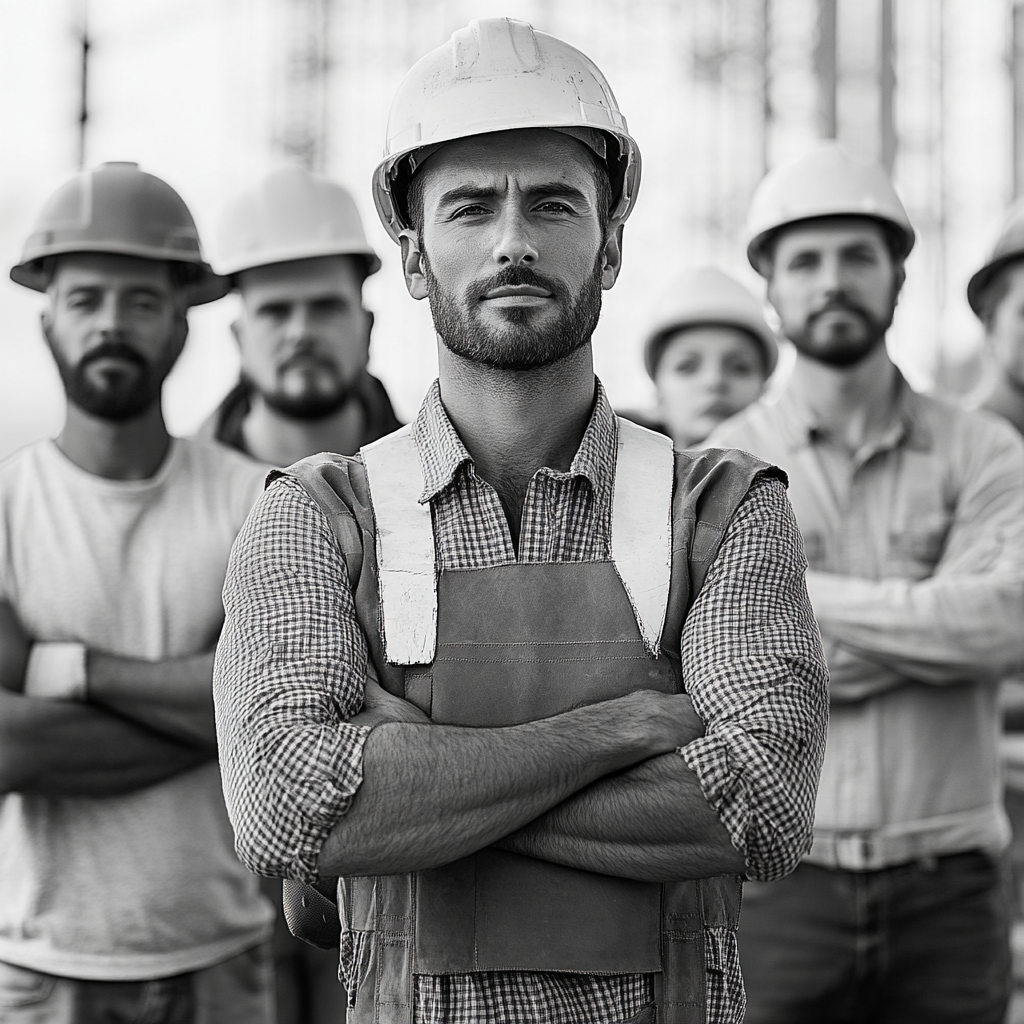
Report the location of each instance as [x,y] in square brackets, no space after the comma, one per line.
[292,660]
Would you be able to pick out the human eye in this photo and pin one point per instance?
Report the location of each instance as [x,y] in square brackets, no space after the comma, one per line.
[687,366]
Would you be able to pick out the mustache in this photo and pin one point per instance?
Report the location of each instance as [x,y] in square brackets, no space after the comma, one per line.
[510,276]
[840,304]
[114,350]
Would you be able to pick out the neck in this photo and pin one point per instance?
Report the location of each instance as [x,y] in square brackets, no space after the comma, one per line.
[1006,398]
[513,422]
[854,403]
[280,440]
[118,450]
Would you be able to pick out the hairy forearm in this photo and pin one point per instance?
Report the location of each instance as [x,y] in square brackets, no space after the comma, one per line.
[432,794]
[67,749]
[173,697]
[650,822]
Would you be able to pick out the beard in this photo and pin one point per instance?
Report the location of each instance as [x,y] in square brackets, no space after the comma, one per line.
[115,396]
[307,396]
[842,346]
[518,344]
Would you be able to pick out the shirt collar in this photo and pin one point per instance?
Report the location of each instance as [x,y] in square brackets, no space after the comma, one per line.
[909,427]
[442,453]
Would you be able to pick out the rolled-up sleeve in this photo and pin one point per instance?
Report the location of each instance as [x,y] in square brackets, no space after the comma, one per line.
[289,672]
[754,668]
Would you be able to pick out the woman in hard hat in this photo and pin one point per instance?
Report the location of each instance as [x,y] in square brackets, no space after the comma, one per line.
[709,353]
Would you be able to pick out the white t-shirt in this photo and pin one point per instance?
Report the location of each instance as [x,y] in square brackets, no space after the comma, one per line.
[146,884]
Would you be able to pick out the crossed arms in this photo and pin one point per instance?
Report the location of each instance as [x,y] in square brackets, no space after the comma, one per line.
[323,773]
[142,722]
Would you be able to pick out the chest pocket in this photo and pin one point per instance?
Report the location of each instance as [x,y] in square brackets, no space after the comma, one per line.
[915,550]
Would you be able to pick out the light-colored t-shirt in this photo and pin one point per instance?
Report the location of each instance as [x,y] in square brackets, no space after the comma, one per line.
[146,884]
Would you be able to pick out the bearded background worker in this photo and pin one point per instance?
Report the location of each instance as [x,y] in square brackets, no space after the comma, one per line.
[912,513]
[122,898]
[295,250]
[517,575]
[709,353]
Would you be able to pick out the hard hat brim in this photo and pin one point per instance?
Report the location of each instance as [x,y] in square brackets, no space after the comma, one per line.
[206,286]
[982,279]
[757,248]
[761,336]
[300,251]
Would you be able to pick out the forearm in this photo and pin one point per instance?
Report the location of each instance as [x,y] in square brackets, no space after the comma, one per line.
[432,794]
[66,749]
[942,629]
[650,822]
[173,697]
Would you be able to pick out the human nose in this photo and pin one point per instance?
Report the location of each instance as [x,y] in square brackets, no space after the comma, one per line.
[829,275]
[298,324]
[109,315]
[514,245]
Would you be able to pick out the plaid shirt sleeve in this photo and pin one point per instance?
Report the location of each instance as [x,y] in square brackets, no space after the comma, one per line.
[754,667]
[290,671]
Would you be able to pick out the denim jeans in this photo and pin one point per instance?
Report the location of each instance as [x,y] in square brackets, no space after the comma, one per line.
[237,991]
[926,941]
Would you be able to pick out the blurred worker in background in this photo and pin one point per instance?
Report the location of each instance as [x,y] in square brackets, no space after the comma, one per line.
[555,833]
[295,250]
[912,512]
[709,353]
[121,897]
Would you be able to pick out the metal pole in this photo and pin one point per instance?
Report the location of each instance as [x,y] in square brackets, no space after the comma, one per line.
[767,113]
[887,90]
[1017,87]
[83,106]
[825,58]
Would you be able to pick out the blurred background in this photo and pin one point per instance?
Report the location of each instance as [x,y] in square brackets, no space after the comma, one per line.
[210,94]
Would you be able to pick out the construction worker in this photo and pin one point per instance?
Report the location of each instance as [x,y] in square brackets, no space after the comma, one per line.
[122,898]
[455,663]
[996,294]
[295,250]
[709,353]
[912,513]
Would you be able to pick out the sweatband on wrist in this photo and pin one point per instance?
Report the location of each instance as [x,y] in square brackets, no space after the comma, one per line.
[56,671]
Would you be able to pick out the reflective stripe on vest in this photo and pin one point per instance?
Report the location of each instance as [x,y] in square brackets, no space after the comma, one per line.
[641,541]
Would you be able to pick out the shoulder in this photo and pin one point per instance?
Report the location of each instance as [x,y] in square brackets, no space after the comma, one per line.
[337,483]
[711,484]
[951,423]
[30,459]
[747,429]
[231,479]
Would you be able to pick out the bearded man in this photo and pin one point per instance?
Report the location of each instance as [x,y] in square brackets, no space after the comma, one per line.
[912,513]
[121,897]
[540,690]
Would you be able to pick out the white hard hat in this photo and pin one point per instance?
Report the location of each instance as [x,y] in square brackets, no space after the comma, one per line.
[1008,249]
[824,182]
[708,296]
[117,208]
[495,75]
[290,215]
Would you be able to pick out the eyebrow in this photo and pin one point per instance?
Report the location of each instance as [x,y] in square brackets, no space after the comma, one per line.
[555,189]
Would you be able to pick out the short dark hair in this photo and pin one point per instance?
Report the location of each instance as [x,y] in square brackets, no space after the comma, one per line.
[602,181]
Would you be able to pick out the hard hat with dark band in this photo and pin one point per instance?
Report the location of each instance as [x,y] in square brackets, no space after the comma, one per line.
[291,214]
[1009,248]
[824,182]
[495,75]
[118,209]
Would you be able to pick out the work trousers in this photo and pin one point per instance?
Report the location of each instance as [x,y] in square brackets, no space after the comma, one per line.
[238,991]
[926,941]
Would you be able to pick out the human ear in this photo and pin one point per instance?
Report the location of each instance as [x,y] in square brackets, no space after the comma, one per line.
[611,255]
[412,264]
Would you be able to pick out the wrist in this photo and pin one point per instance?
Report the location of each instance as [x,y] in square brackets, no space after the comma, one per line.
[57,671]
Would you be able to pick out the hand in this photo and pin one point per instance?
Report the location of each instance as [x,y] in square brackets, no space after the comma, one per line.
[667,720]
[379,707]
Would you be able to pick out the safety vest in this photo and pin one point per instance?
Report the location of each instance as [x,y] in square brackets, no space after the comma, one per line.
[516,643]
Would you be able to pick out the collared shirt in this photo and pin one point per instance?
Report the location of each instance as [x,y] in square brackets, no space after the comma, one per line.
[292,661]
[916,549]
[226,422]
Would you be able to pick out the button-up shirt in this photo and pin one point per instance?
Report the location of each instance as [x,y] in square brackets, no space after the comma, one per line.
[916,552]
[292,661]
